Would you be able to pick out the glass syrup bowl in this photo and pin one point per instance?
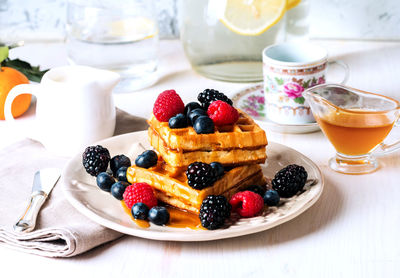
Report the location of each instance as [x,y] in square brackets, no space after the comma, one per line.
[356,123]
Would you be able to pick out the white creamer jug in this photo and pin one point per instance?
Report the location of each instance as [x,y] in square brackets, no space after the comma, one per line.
[74,108]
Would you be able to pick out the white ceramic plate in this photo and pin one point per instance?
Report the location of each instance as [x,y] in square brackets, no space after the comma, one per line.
[82,192]
[251,101]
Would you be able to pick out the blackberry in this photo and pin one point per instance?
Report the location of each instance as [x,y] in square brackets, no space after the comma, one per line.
[213,211]
[95,159]
[210,95]
[200,175]
[289,180]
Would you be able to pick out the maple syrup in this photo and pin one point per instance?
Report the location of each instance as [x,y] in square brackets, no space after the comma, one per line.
[178,218]
[355,134]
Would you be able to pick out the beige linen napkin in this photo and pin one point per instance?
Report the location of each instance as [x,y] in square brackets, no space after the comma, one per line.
[61,231]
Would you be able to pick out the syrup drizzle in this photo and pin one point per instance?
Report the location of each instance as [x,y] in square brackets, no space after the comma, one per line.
[178,218]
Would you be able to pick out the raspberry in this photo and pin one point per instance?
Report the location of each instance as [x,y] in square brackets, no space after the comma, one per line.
[222,113]
[139,193]
[167,105]
[247,203]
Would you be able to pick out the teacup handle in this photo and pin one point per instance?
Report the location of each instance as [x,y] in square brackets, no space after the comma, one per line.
[345,68]
[384,149]
[32,89]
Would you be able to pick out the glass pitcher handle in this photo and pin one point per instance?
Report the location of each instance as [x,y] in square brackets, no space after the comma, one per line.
[384,149]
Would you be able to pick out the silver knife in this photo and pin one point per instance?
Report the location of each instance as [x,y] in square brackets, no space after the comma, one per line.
[43,183]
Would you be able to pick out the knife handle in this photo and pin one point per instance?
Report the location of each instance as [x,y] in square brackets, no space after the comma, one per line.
[27,221]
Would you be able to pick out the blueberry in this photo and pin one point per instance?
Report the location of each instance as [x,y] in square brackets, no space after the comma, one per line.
[203,125]
[271,198]
[194,114]
[147,159]
[140,211]
[257,189]
[179,121]
[104,180]
[190,107]
[119,161]
[121,174]
[118,189]
[159,215]
[219,169]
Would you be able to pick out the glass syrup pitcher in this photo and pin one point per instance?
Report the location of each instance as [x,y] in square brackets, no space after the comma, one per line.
[356,123]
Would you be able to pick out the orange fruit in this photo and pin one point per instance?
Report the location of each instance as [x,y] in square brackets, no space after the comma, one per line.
[9,78]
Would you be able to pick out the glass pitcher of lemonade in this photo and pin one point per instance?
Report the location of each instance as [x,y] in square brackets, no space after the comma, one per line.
[356,123]
[223,39]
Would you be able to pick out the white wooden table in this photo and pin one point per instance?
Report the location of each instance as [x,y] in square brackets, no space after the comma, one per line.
[352,231]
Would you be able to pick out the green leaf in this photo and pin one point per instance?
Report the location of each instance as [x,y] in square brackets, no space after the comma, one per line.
[299,100]
[32,73]
[306,84]
[3,53]
[279,81]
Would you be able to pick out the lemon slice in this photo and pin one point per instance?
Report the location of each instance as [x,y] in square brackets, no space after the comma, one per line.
[252,17]
[133,29]
[292,3]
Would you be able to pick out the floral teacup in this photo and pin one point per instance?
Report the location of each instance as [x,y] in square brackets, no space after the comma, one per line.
[288,70]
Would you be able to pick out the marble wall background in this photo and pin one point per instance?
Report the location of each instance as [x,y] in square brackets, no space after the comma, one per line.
[365,19]
[354,19]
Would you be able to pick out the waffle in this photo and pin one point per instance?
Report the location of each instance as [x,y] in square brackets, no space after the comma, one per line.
[231,145]
[176,192]
[229,157]
[245,133]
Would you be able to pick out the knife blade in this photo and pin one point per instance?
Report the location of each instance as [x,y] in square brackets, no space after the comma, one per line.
[43,182]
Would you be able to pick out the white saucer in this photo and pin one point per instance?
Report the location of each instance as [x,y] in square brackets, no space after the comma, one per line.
[251,101]
[82,192]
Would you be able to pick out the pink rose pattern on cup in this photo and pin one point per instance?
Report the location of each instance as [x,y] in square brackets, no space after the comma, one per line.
[293,88]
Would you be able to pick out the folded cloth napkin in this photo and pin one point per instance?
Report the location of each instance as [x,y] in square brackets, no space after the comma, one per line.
[61,231]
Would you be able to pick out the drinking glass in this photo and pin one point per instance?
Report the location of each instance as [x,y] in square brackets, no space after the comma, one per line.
[117,35]
[356,123]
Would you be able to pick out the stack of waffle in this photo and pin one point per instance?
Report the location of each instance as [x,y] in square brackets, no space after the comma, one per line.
[239,148]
